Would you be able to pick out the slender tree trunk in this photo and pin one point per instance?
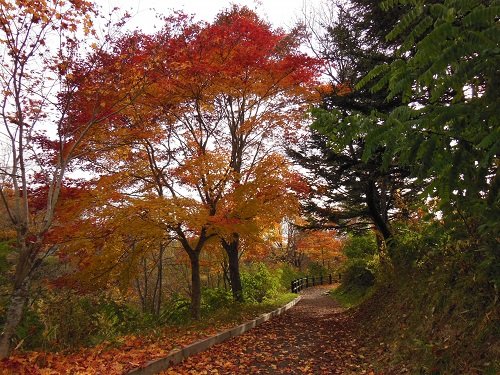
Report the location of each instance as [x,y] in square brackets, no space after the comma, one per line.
[147,292]
[160,281]
[194,257]
[26,265]
[373,204]
[17,303]
[234,267]
[225,275]
[195,285]
[141,296]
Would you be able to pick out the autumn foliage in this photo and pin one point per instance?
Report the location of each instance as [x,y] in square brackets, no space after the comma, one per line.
[196,156]
[148,152]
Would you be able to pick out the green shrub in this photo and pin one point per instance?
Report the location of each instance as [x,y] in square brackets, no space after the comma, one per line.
[260,283]
[175,310]
[411,245]
[114,319]
[215,298]
[58,321]
[357,273]
[289,274]
[30,332]
[63,319]
[361,246]
[360,269]
[316,269]
[5,277]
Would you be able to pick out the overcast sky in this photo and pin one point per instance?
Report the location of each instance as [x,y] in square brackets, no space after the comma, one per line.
[282,13]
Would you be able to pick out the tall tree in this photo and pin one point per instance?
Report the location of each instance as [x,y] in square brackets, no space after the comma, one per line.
[42,76]
[258,94]
[227,94]
[351,189]
[199,151]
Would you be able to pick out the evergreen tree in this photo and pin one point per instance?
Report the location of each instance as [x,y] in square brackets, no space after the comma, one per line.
[349,188]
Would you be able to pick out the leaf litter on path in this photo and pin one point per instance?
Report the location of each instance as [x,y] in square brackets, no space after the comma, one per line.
[314,337]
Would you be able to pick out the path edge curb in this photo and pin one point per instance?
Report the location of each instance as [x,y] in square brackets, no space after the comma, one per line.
[179,355]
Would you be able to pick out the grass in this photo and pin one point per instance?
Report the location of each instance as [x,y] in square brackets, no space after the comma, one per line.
[237,313]
[351,296]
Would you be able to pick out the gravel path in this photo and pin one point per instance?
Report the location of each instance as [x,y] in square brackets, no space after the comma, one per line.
[314,337]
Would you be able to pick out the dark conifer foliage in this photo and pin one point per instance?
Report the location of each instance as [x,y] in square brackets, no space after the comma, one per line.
[350,190]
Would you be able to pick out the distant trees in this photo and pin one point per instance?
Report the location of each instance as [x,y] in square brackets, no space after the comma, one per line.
[295,244]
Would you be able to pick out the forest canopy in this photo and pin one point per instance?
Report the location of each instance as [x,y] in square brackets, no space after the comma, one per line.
[163,176]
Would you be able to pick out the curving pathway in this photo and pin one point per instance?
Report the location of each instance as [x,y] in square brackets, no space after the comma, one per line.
[314,337]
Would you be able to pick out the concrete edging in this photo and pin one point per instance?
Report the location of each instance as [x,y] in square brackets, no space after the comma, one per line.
[177,356]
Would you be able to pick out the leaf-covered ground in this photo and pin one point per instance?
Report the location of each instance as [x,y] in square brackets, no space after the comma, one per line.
[314,337]
[126,354]
[109,359]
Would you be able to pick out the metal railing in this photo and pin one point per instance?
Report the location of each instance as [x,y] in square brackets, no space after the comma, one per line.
[305,282]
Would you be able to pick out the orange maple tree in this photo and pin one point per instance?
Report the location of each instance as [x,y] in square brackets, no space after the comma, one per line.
[322,246]
[197,152]
[240,88]
[200,149]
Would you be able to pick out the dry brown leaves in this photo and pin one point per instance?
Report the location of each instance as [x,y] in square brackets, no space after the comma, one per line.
[105,358]
[314,337]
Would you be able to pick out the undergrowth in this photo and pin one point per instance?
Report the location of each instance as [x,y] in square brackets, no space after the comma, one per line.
[63,320]
[352,296]
[435,314]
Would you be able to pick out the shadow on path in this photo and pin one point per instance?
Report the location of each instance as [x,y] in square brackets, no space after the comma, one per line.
[314,337]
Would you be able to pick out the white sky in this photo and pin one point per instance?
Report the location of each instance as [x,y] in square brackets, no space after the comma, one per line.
[280,13]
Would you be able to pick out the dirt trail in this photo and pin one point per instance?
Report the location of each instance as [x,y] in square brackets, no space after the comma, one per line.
[314,337]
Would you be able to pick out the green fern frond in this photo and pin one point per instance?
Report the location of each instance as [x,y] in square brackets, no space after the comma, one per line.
[375,72]
[419,30]
[424,155]
[436,38]
[489,139]
[482,39]
[438,10]
[405,22]
[404,113]
[381,83]
[492,34]
[482,16]
[463,5]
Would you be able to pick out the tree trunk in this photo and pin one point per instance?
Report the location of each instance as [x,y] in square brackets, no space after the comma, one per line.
[18,301]
[225,275]
[195,286]
[234,267]
[373,203]
[159,290]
